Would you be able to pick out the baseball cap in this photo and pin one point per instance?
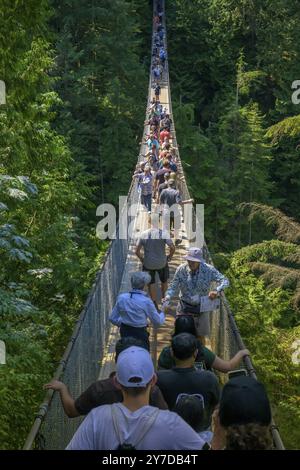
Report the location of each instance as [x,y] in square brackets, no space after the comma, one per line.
[194,254]
[171,182]
[134,367]
[243,401]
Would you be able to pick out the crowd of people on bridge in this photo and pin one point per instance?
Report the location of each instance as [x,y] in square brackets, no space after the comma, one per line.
[181,405]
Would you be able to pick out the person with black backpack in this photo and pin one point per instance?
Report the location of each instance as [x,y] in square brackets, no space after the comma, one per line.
[133,424]
[186,378]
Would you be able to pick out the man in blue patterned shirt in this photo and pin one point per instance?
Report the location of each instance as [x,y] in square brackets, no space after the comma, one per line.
[193,280]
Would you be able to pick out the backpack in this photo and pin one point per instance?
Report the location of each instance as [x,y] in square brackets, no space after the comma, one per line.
[127,446]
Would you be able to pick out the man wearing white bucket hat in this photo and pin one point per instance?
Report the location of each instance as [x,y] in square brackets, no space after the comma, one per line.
[192,280]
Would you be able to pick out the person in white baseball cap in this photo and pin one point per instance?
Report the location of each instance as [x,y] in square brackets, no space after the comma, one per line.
[133,424]
[135,367]
[193,280]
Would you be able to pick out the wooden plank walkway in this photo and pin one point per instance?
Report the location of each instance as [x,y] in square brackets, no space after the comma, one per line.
[161,337]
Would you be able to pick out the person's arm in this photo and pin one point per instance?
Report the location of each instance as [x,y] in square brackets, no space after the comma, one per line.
[114,317]
[171,251]
[187,201]
[174,286]
[184,437]
[226,366]
[218,440]
[83,438]
[220,278]
[138,250]
[161,197]
[157,318]
[67,400]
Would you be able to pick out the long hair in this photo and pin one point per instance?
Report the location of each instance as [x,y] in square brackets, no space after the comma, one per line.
[251,436]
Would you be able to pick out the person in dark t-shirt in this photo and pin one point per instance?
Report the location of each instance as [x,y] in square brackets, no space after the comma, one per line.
[101,392]
[185,378]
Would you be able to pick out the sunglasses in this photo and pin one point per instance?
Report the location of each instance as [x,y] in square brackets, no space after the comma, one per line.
[197,395]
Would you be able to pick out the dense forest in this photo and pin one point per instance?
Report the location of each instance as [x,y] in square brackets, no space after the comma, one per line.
[76,75]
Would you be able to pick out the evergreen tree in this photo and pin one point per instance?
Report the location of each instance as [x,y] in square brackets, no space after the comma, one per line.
[103,86]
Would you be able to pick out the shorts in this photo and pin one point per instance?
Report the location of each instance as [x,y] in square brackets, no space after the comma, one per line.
[139,333]
[202,323]
[162,273]
[171,220]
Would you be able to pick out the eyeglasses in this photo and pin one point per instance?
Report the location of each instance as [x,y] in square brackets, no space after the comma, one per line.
[197,395]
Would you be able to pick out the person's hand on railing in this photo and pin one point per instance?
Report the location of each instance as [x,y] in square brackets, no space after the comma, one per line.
[213,294]
[242,353]
[55,385]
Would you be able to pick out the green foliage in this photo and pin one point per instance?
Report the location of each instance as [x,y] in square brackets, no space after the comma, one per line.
[264,317]
[102,86]
[76,81]
[239,86]
[277,261]
[287,127]
[267,312]
[27,368]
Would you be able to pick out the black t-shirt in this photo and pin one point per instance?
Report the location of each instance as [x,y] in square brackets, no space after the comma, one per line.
[104,392]
[192,381]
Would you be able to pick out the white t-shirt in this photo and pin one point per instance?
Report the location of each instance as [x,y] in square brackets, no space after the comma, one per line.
[168,432]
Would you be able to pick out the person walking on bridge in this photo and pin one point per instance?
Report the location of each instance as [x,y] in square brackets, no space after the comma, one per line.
[193,280]
[170,200]
[145,182]
[133,310]
[154,241]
